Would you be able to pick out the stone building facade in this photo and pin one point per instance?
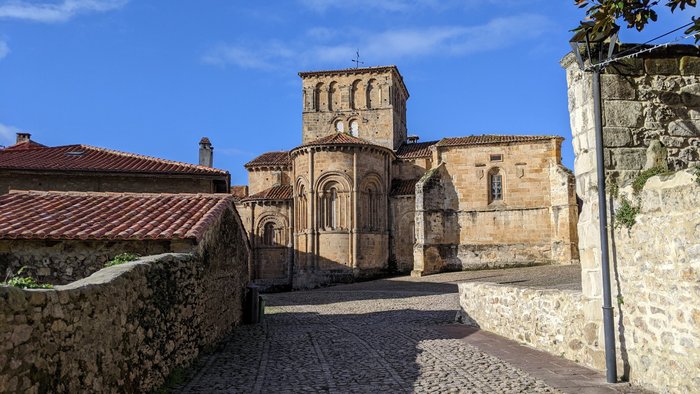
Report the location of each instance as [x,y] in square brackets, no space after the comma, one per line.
[359,197]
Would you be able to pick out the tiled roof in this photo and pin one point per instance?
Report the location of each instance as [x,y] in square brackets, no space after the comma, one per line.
[25,145]
[338,139]
[401,187]
[415,150]
[108,216]
[280,158]
[493,139]
[239,192]
[283,192]
[92,159]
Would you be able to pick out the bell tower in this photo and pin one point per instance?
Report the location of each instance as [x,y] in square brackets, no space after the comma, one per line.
[369,103]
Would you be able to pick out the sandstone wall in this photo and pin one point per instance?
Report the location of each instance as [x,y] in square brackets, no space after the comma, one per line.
[656,282]
[260,179]
[374,99]
[403,237]
[111,183]
[124,328]
[533,223]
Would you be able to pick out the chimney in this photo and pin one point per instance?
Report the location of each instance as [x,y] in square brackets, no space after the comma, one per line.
[206,153]
[412,139]
[23,137]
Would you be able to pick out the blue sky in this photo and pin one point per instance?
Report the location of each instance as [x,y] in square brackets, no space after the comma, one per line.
[153,77]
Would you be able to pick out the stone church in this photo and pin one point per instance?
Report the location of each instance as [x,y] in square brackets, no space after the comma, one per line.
[360,198]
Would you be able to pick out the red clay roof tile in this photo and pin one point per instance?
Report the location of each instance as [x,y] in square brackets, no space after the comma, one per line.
[338,138]
[108,216]
[416,150]
[493,139]
[271,159]
[92,159]
[283,192]
[400,187]
[25,145]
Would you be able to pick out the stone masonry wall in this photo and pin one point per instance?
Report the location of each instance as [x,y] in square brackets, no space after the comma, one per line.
[110,183]
[62,262]
[125,328]
[656,282]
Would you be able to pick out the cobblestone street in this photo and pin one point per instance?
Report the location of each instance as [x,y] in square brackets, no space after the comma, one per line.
[372,337]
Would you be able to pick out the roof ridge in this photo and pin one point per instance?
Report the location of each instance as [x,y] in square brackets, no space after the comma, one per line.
[158,159]
[221,196]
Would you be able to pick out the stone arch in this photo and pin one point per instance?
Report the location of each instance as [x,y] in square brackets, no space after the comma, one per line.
[301,204]
[333,96]
[495,185]
[272,230]
[320,98]
[356,94]
[354,126]
[372,202]
[372,94]
[333,197]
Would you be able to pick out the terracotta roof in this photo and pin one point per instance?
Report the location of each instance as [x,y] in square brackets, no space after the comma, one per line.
[283,192]
[401,187]
[108,216]
[416,150]
[239,192]
[338,139]
[93,159]
[348,70]
[25,145]
[279,158]
[493,139]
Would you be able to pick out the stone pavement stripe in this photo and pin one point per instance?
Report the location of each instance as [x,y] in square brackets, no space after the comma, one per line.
[324,364]
[260,379]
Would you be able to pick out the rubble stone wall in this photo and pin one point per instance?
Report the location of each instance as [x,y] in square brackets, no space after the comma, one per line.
[127,327]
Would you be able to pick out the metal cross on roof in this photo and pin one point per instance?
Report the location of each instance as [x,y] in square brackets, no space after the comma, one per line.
[356,60]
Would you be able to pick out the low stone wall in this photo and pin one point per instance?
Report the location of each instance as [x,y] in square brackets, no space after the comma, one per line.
[656,295]
[547,319]
[125,328]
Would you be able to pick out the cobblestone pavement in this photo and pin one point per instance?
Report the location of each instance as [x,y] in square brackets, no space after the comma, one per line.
[372,337]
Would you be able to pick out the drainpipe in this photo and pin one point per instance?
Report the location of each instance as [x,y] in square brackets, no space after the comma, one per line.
[608,320]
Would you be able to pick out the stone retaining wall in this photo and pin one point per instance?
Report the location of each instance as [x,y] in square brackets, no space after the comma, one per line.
[656,282]
[125,328]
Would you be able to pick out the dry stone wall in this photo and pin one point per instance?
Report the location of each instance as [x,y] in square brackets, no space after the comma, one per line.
[125,328]
[62,262]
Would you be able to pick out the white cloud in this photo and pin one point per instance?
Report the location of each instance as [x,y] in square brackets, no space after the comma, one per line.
[4,49]
[8,134]
[338,47]
[403,5]
[55,12]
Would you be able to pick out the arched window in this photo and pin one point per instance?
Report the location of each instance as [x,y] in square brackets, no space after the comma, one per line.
[355,94]
[269,234]
[302,216]
[333,207]
[332,96]
[319,100]
[339,126]
[495,185]
[371,93]
[354,127]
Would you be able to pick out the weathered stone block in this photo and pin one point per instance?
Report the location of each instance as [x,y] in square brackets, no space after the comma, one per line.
[617,136]
[690,95]
[628,158]
[690,65]
[623,114]
[661,66]
[684,128]
[616,87]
